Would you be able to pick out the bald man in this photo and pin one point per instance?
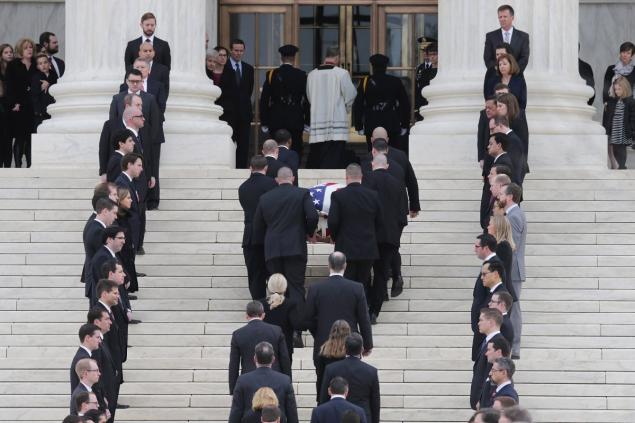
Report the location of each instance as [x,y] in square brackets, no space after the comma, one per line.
[270,151]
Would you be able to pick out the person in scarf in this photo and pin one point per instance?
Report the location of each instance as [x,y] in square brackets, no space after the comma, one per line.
[623,67]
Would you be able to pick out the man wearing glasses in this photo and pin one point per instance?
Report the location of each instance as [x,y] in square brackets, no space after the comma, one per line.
[489,324]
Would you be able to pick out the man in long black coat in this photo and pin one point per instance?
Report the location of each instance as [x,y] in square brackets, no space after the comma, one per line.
[283,102]
[249,194]
[381,101]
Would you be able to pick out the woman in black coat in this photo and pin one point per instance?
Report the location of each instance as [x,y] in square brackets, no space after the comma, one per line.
[281,311]
[127,253]
[623,67]
[334,349]
[6,137]
[507,105]
[619,121]
[20,72]
[501,229]
[508,72]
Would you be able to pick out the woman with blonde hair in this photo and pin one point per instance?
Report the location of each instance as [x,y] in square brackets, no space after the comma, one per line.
[280,310]
[262,398]
[20,71]
[501,229]
[619,121]
[127,253]
[334,349]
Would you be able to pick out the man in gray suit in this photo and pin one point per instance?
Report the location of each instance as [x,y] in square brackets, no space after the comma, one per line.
[510,196]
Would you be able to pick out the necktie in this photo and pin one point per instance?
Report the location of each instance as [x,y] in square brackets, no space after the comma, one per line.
[148,41]
[139,143]
[238,76]
[506,37]
[483,345]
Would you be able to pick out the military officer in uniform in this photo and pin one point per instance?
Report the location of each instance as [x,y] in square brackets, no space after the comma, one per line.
[425,72]
[381,101]
[283,102]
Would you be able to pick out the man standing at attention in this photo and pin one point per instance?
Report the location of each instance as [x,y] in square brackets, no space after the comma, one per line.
[331,94]
[161,48]
[517,39]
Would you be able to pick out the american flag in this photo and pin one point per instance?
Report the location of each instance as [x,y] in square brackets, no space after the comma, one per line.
[321,196]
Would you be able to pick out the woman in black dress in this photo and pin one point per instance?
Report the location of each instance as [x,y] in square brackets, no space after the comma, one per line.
[128,251]
[501,229]
[6,137]
[507,105]
[18,80]
[623,67]
[281,311]
[619,121]
[262,398]
[334,349]
[508,72]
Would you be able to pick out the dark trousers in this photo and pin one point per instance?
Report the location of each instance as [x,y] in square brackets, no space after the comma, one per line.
[6,138]
[256,270]
[486,196]
[242,131]
[395,262]
[619,151]
[359,271]
[293,268]
[381,273]
[22,147]
[154,193]
[142,229]
[326,155]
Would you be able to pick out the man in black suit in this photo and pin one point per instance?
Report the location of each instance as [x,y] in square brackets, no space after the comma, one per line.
[109,361]
[284,218]
[283,101]
[500,375]
[489,324]
[517,39]
[270,151]
[502,301]
[162,48]
[249,194]
[108,293]
[287,156]
[90,338]
[394,202]
[88,374]
[50,45]
[334,409]
[363,389]
[355,219]
[132,166]
[113,241]
[123,144]
[263,375]
[158,71]
[337,298]
[516,149]
[85,402]
[497,347]
[238,110]
[381,101]
[94,231]
[497,148]
[152,86]
[244,341]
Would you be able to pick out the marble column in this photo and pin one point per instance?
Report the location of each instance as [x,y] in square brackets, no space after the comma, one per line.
[561,129]
[97,32]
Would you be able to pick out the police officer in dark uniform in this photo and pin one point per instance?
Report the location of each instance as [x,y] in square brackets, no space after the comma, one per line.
[381,101]
[425,72]
[283,102]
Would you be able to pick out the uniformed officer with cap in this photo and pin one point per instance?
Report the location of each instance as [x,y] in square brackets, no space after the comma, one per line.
[425,72]
[382,101]
[283,102]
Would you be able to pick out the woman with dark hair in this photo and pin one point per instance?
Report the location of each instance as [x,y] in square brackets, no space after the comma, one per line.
[127,253]
[623,67]
[508,73]
[334,349]
[507,105]
[6,138]
[619,121]
[224,83]
[18,80]
[215,63]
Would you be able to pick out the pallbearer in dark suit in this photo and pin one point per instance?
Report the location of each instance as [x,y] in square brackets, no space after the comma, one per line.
[283,102]
[285,154]
[89,338]
[392,197]
[517,39]
[489,324]
[354,221]
[381,101]
[123,144]
[109,361]
[158,71]
[88,373]
[114,239]
[108,294]
[502,301]
[284,218]
[94,231]
[249,194]
[131,166]
[270,151]
[237,104]
[334,409]
[152,86]
[497,347]
[501,375]
[162,48]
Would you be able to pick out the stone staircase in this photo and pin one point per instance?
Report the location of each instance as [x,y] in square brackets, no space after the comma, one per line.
[578,356]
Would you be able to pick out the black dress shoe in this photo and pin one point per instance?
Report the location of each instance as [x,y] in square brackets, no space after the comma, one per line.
[132,297]
[134,322]
[373,319]
[141,251]
[397,287]
[141,275]
[153,207]
[297,340]
[386,296]
[122,406]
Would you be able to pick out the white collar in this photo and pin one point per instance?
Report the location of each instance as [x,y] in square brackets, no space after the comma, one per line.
[134,131]
[510,207]
[283,146]
[88,388]
[120,152]
[496,158]
[489,257]
[511,33]
[127,176]
[144,37]
[499,387]
[492,289]
[336,274]
[491,335]
[504,314]
[273,157]
[105,305]
[90,353]
[111,252]
[100,222]
[509,130]
[234,63]
[338,396]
